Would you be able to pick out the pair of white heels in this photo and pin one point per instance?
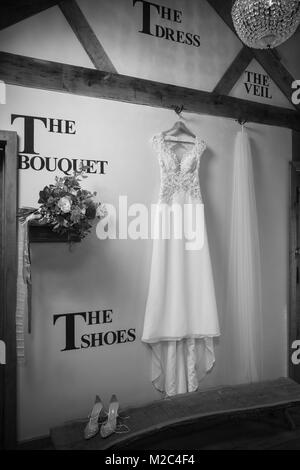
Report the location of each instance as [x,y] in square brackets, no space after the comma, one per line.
[107,427]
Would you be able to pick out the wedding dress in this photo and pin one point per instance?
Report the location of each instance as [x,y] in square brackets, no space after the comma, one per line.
[181,317]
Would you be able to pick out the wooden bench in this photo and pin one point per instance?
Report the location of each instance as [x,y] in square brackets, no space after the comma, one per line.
[235,401]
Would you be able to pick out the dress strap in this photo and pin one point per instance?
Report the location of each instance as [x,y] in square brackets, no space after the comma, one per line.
[157,141]
[200,145]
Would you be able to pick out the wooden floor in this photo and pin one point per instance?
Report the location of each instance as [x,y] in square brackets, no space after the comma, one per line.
[246,416]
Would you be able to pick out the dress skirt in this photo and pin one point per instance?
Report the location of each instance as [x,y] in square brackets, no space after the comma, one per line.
[181,317]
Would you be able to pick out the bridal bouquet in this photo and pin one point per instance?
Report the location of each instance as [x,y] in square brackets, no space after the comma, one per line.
[66,207]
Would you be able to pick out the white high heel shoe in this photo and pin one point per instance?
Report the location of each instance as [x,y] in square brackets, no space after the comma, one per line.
[111,424]
[92,427]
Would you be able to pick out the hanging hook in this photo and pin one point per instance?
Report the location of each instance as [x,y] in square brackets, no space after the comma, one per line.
[241,121]
[178,110]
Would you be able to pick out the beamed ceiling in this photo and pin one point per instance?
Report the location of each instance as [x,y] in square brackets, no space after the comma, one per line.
[13,11]
[281,64]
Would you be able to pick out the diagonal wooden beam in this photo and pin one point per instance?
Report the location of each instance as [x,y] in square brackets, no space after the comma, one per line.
[234,72]
[268,59]
[86,36]
[276,70]
[54,76]
[13,11]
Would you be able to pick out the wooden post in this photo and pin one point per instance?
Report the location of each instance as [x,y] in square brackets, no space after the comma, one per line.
[294,258]
[8,283]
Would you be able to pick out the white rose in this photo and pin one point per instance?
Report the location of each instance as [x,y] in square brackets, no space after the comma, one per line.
[64,204]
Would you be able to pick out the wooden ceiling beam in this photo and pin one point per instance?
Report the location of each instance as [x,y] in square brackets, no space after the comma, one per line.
[234,72]
[86,36]
[268,59]
[278,73]
[13,11]
[54,76]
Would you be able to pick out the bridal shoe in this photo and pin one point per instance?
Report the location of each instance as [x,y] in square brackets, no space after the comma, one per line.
[110,426]
[92,427]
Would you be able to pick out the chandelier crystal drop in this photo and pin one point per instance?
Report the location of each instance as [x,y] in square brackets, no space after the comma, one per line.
[263,24]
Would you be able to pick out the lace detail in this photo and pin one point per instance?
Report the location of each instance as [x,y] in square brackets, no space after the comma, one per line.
[178,175]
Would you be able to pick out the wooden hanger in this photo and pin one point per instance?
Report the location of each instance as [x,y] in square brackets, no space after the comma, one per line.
[179,128]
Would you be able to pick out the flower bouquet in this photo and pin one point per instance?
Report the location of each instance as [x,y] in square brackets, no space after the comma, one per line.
[65,207]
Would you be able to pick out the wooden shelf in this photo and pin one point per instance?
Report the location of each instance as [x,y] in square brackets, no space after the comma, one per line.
[39,233]
[181,411]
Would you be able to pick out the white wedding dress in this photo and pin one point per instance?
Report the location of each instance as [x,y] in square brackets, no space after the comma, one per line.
[181,317]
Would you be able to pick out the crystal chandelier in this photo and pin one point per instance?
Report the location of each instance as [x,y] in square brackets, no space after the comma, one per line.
[263,24]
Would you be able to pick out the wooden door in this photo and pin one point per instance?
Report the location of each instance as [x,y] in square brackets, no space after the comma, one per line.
[8,281]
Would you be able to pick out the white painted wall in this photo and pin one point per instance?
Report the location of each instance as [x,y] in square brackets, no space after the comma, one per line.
[56,386]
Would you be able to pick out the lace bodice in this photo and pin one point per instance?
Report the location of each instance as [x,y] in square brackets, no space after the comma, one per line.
[178,175]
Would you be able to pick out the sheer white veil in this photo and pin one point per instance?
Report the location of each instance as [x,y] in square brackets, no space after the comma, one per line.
[242,326]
